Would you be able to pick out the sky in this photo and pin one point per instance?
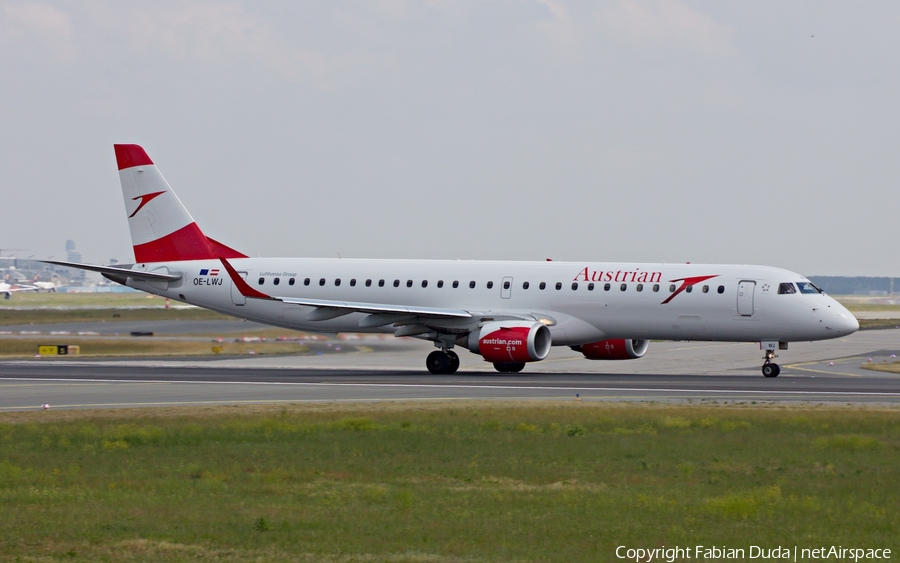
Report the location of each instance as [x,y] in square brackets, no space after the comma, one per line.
[661,131]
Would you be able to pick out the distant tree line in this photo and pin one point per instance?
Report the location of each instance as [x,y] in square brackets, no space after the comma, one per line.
[844,285]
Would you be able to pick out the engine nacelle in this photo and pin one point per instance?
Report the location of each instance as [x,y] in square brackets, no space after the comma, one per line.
[614,349]
[511,342]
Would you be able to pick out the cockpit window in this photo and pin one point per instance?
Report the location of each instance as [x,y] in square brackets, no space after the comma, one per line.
[786,288]
[808,287]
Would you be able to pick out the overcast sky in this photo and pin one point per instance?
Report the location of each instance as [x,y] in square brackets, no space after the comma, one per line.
[669,131]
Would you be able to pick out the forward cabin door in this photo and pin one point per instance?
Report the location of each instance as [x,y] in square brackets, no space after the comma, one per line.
[506,288]
[746,288]
[236,296]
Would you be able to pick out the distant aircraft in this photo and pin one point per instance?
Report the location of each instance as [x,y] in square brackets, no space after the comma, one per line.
[509,313]
[7,289]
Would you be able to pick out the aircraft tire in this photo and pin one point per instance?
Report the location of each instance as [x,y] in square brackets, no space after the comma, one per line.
[438,363]
[771,370]
[509,367]
[454,361]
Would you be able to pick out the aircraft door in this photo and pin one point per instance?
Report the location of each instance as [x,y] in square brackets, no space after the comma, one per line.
[506,288]
[746,289]
[236,296]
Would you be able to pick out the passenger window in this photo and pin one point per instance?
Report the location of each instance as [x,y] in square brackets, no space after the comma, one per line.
[321,281]
[424,283]
[353,282]
[408,283]
[440,283]
[262,281]
[306,281]
[705,289]
[276,281]
[368,283]
[558,286]
[542,286]
[574,286]
[655,287]
[640,287]
[291,281]
[471,285]
[590,287]
[672,288]
[337,281]
[396,283]
[721,289]
[689,288]
[380,283]
[506,285]
[786,289]
[455,284]
[623,287]
[490,285]
[525,285]
[606,287]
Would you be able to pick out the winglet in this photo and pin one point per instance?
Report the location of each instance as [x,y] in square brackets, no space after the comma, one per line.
[242,285]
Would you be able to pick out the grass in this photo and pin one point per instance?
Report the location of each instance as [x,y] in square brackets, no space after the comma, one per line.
[893,367]
[878,324]
[155,346]
[48,316]
[105,300]
[437,482]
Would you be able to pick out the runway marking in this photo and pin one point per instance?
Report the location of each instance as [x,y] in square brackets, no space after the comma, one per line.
[459,386]
[847,359]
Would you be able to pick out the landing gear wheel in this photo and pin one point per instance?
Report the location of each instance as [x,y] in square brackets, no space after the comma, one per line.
[438,363]
[442,363]
[509,367]
[454,361]
[771,370]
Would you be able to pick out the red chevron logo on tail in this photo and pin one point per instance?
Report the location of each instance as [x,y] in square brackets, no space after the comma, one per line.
[145,199]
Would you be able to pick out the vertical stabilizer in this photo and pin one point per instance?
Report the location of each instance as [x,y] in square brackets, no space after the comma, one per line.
[162,230]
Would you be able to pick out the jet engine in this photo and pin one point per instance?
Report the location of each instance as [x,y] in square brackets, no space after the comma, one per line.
[614,349]
[511,342]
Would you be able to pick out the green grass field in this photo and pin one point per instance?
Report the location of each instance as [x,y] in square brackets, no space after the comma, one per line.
[154,347]
[442,482]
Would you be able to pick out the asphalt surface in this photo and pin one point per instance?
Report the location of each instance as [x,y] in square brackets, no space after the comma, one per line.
[391,369]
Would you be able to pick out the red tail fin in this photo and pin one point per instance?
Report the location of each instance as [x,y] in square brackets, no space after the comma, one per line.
[161,228]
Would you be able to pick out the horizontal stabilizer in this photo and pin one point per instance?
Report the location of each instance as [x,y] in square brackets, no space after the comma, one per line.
[119,274]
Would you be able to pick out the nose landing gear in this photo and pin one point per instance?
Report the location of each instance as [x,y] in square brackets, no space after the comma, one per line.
[770,369]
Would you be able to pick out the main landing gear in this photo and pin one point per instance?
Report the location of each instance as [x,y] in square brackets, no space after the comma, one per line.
[770,369]
[509,367]
[442,362]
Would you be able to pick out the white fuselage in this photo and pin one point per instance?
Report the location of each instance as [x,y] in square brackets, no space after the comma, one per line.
[580,302]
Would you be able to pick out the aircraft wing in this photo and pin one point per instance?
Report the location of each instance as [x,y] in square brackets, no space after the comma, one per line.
[119,275]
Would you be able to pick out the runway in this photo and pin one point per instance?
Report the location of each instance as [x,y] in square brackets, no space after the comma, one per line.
[390,371]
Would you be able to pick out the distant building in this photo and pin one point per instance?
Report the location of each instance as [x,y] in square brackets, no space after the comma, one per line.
[76,277]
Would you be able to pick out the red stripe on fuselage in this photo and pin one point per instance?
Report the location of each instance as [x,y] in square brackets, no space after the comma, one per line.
[242,285]
[128,156]
[187,243]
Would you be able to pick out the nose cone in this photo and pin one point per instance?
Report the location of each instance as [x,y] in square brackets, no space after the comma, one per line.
[842,322]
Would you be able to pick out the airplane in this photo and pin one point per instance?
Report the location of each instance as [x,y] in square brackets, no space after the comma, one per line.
[509,313]
[7,289]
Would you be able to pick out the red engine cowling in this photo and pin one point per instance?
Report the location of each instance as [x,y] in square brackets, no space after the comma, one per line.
[615,349]
[513,342]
